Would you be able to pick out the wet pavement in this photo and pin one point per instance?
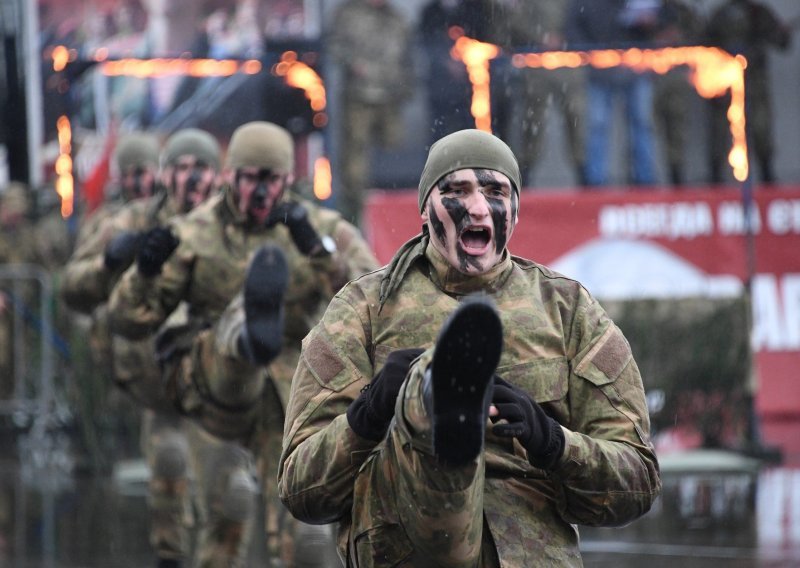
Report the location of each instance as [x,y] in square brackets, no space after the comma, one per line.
[715,510]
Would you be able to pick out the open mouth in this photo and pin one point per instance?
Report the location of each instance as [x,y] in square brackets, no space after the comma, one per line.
[475,239]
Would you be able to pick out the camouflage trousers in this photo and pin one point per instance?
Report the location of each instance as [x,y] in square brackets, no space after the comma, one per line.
[364,126]
[226,500]
[197,480]
[230,397]
[406,510]
[165,445]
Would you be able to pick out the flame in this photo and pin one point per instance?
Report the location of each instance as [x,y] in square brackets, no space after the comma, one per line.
[322,178]
[476,55]
[713,72]
[60,57]
[65,184]
[299,75]
[161,67]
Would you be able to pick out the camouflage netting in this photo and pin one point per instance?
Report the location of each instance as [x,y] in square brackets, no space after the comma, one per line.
[696,351]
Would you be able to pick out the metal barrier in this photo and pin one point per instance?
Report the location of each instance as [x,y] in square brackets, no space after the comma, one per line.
[32,398]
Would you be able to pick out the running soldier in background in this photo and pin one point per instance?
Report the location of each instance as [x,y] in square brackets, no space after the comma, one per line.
[387,429]
[174,447]
[750,29]
[288,257]
[101,406]
[17,246]
[370,41]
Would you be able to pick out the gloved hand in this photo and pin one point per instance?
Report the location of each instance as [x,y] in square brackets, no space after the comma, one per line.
[158,244]
[295,217]
[369,415]
[121,250]
[539,434]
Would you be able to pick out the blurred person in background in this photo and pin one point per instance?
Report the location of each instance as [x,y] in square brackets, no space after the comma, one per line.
[17,246]
[538,25]
[447,84]
[176,449]
[369,40]
[603,24]
[751,29]
[103,409]
[254,267]
[680,25]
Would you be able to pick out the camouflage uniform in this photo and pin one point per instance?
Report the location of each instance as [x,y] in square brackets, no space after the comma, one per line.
[87,285]
[750,29]
[370,41]
[523,25]
[174,447]
[212,383]
[672,90]
[17,246]
[395,503]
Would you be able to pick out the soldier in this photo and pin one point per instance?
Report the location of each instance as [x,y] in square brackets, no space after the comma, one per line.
[136,163]
[369,39]
[750,29]
[523,25]
[17,246]
[680,25]
[404,458]
[286,255]
[174,447]
[135,169]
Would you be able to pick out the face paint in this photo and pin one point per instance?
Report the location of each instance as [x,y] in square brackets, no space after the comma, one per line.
[438,226]
[498,209]
[460,217]
[467,216]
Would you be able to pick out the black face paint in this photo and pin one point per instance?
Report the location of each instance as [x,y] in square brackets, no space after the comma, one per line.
[438,226]
[497,208]
[460,216]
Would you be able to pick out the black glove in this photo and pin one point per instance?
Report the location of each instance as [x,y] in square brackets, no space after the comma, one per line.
[158,244]
[539,434]
[121,250]
[370,414]
[295,217]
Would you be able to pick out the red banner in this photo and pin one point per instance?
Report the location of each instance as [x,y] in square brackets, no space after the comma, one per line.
[660,244]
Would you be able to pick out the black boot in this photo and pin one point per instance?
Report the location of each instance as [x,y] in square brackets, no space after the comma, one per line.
[459,380]
[264,287]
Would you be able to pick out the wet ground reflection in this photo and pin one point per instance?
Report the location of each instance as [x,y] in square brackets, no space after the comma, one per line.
[52,516]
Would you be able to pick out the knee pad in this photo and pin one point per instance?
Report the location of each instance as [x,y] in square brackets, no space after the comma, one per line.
[240,497]
[171,457]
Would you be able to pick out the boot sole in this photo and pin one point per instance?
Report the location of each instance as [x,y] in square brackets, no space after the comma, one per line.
[264,288]
[467,352]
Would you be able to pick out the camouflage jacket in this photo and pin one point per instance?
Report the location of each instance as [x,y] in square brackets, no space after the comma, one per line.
[560,346]
[86,282]
[208,269]
[372,43]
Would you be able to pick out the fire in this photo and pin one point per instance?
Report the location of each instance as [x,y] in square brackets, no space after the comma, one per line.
[476,55]
[713,72]
[322,178]
[299,75]
[161,67]
[65,186]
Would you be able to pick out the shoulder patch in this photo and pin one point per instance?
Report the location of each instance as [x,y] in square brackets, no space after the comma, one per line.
[322,360]
[613,354]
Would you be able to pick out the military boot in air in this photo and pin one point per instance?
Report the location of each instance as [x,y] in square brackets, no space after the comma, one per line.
[264,287]
[458,382]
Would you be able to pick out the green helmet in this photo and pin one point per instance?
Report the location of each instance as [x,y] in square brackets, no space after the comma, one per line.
[467,149]
[136,149]
[261,145]
[191,142]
